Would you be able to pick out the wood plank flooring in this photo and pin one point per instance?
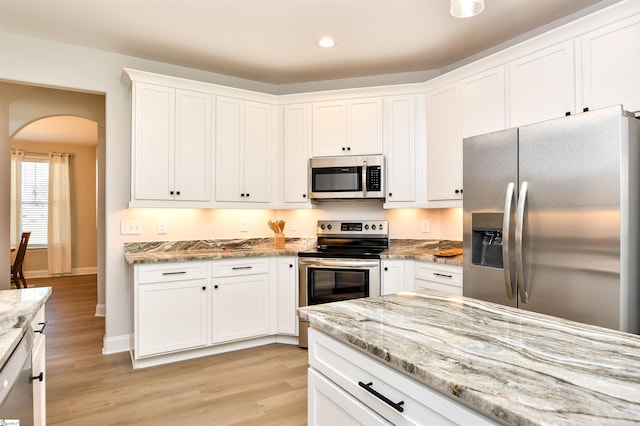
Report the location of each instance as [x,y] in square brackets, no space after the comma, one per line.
[259,386]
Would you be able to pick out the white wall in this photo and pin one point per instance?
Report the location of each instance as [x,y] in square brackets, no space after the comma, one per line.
[41,62]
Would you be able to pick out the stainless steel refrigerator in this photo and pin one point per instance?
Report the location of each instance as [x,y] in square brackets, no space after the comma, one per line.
[551,218]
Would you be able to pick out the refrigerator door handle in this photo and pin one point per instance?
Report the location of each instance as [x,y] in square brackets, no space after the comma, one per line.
[506,231]
[522,285]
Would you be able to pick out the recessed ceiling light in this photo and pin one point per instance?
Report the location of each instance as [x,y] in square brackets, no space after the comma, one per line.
[326,42]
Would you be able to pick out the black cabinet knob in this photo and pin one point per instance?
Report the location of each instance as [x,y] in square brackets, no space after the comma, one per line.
[343,148]
[247,194]
[457,191]
[177,192]
[204,288]
[391,194]
[304,195]
[290,265]
[215,286]
[348,148]
[171,192]
[386,269]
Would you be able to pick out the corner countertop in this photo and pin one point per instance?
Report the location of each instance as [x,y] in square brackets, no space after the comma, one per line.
[182,251]
[17,309]
[519,367]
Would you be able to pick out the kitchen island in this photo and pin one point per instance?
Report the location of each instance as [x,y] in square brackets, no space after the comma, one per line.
[512,366]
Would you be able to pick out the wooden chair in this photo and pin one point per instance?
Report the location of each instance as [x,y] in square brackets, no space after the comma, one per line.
[17,276]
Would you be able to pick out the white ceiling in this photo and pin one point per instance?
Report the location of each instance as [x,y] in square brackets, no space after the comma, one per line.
[274,41]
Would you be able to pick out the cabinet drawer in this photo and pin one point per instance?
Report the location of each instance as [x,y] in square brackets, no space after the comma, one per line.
[169,272]
[244,266]
[353,370]
[444,274]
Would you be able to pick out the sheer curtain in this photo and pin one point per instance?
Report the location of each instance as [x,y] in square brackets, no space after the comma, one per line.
[59,237]
[16,181]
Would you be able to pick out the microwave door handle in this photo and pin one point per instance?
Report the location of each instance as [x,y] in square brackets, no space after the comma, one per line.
[364,178]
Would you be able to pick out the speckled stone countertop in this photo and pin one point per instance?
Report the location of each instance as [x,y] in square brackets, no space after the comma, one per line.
[181,251]
[17,309]
[519,367]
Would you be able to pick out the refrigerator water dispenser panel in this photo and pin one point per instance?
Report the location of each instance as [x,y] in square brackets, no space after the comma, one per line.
[486,239]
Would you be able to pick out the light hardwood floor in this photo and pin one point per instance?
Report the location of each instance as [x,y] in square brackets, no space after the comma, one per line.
[259,386]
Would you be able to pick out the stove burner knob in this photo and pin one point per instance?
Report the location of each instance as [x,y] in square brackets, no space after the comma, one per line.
[373,227]
[329,227]
[366,227]
[322,226]
[380,226]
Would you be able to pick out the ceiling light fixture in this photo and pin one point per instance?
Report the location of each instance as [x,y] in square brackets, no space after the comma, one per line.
[466,8]
[326,42]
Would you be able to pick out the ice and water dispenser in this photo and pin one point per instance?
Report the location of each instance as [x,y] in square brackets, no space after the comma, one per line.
[486,241]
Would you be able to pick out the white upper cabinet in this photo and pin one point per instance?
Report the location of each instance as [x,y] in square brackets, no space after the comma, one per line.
[243,154]
[611,66]
[295,156]
[483,103]
[351,127]
[444,143]
[171,144]
[542,85]
[400,148]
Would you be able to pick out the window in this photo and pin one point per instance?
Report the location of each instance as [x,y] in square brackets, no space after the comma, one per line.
[34,208]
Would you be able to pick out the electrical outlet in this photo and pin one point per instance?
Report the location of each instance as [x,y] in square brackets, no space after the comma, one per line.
[130,227]
[426,226]
[162,226]
[293,226]
[243,226]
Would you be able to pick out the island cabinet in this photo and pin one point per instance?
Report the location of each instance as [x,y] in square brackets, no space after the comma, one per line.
[347,127]
[171,145]
[39,369]
[347,386]
[170,307]
[240,299]
[435,276]
[243,150]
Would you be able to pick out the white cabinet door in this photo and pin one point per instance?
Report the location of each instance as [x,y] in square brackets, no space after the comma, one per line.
[444,143]
[611,66]
[171,144]
[400,148]
[240,307]
[330,405]
[229,140]
[243,153]
[329,128]
[257,152]
[393,279]
[296,123]
[542,85]
[287,295]
[192,146]
[483,103]
[153,142]
[39,369]
[171,316]
[364,126]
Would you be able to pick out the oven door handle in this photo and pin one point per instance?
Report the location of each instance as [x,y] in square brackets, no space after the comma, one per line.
[330,264]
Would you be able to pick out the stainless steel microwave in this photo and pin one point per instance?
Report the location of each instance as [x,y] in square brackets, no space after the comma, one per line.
[347,177]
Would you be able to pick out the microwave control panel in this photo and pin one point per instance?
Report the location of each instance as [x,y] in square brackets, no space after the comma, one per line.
[374,178]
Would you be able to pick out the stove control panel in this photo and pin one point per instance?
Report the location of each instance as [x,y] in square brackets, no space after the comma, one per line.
[353,227]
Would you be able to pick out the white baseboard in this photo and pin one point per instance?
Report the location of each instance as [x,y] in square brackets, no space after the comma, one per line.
[101,310]
[90,270]
[117,344]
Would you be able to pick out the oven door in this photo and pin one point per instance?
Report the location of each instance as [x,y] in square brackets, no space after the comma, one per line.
[324,280]
[333,280]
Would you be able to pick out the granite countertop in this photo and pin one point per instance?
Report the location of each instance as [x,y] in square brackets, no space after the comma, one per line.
[182,251]
[17,309]
[519,367]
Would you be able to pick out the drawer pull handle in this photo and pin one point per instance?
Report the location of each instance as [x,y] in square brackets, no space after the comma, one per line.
[235,268]
[39,377]
[175,273]
[437,274]
[41,331]
[368,388]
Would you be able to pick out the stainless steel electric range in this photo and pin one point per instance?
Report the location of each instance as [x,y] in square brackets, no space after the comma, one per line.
[344,265]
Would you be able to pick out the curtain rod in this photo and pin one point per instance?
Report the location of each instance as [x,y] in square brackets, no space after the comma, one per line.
[43,154]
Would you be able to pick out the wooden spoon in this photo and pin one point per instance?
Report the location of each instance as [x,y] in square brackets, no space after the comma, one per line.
[281,226]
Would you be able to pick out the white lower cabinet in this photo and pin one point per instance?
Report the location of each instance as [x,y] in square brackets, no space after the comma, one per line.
[347,386]
[38,370]
[171,307]
[393,276]
[434,276]
[240,307]
[287,295]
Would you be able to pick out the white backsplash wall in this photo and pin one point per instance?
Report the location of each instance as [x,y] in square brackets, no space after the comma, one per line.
[195,224]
